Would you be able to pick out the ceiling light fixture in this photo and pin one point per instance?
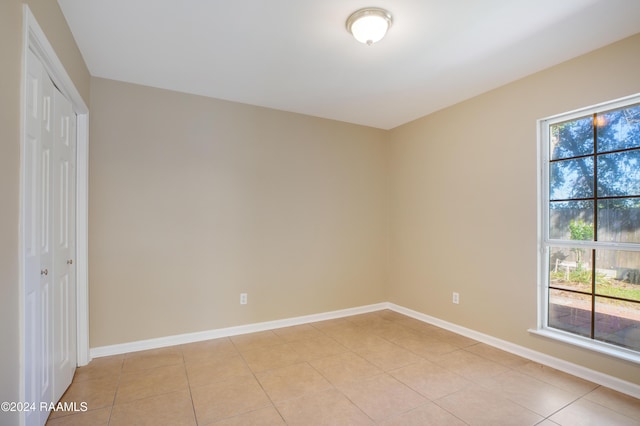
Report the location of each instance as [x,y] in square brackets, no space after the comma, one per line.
[369,25]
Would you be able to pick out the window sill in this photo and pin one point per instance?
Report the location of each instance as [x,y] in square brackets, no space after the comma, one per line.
[582,342]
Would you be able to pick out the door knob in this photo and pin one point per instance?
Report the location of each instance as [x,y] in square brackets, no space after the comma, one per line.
[44,272]
[70,262]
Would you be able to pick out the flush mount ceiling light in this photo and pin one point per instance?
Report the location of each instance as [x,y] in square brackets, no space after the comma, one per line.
[369,25]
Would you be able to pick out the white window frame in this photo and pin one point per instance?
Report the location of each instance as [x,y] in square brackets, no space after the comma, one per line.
[544,242]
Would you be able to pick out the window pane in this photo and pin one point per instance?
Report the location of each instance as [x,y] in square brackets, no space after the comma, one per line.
[571,138]
[619,129]
[570,269]
[618,274]
[570,179]
[592,193]
[562,214]
[618,322]
[619,220]
[570,312]
[619,174]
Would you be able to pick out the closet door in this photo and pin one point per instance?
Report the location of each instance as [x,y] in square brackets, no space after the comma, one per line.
[37,220]
[48,220]
[64,281]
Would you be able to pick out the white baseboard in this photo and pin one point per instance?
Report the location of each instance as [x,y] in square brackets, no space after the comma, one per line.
[181,339]
[539,357]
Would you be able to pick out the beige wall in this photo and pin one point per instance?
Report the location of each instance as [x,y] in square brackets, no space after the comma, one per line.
[463,201]
[54,25]
[195,200]
[10,42]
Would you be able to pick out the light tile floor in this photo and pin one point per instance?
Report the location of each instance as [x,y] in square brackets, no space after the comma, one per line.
[376,368]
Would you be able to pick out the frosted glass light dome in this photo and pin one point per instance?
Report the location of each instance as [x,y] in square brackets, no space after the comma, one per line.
[369,25]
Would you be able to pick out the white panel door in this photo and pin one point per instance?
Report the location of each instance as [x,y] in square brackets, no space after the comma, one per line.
[46,240]
[49,241]
[64,286]
[46,234]
[34,349]
[38,245]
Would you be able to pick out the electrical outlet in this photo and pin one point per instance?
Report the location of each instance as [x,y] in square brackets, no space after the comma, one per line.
[456,298]
[243,298]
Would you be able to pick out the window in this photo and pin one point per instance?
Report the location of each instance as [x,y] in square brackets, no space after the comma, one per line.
[590,227]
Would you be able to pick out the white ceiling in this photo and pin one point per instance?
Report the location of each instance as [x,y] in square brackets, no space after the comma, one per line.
[296,55]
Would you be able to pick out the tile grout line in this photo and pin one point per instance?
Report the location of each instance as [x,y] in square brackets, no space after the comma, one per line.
[253,374]
[193,408]
[115,394]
